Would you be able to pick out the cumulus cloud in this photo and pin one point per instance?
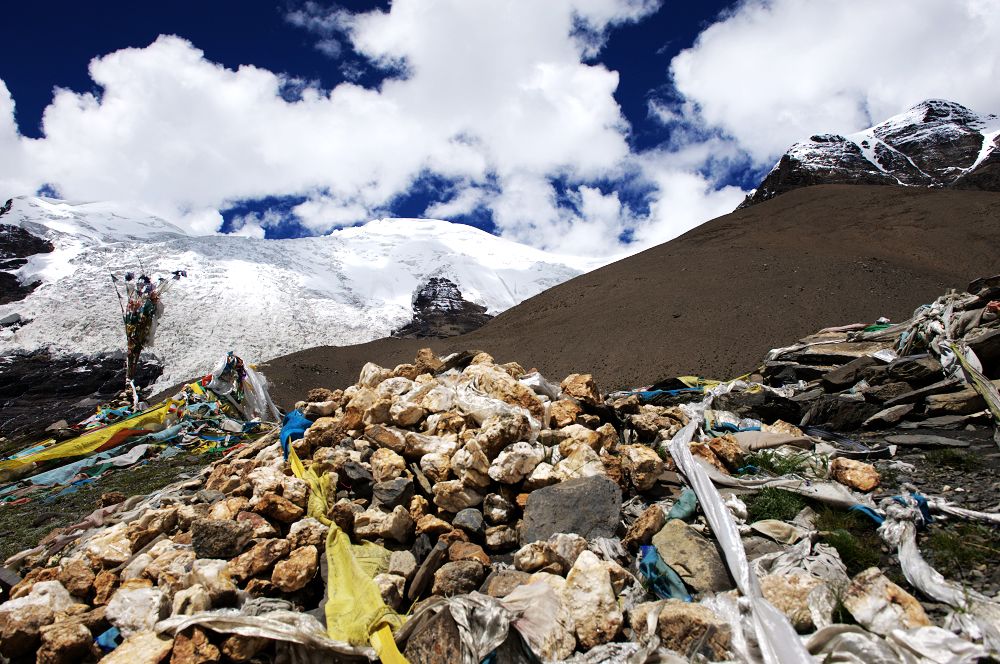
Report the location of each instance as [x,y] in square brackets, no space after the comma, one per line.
[773,72]
[492,93]
[507,104]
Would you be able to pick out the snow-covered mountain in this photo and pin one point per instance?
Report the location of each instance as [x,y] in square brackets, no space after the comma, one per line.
[934,144]
[261,298]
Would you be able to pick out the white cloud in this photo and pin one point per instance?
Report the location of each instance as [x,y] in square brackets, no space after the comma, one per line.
[506,104]
[776,71]
[494,92]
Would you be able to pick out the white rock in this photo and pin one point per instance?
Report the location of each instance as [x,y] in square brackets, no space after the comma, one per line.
[134,610]
[583,462]
[567,547]
[418,444]
[112,547]
[50,594]
[471,466]
[394,387]
[391,586]
[135,569]
[543,475]
[213,575]
[516,462]
[560,642]
[372,375]
[191,600]
[592,601]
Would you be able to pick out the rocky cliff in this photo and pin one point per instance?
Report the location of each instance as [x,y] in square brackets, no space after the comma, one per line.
[934,144]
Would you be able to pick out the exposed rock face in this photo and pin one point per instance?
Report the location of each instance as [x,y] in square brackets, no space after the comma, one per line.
[68,387]
[16,245]
[439,310]
[936,143]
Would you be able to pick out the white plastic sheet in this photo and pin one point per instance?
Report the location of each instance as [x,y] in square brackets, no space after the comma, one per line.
[974,614]
[776,637]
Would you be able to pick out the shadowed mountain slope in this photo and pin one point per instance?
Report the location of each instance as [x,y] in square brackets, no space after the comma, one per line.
[714,300]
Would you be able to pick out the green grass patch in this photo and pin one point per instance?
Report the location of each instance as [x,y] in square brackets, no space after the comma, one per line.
[951,458]
[771,503]
[852,535]
[778,464]
[955,548]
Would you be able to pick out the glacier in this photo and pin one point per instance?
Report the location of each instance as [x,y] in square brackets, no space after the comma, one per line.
[261,298]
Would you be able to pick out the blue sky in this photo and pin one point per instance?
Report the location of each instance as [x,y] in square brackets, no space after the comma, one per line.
[583,126]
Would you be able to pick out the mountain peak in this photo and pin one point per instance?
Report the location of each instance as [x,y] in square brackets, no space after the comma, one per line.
[935,143]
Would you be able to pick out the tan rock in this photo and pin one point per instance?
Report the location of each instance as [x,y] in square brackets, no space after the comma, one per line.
[105,584]
[703,451]
[260,558]
[293,574]
[695,559]
[500,538]
[227,509]
[498,384]
[563,413]
[65,643]
[407,414]
[418,444]
[789,593]
[650,522]
[728,451]
[855,474]
[141,648]
[609,439]
[436,466]
[516,462]
[687,628]
[111,547]
[441,424]
[468,551]
[78,578]
[583,462]
[592,602]
[879,605]
[577,435]
[391,587]
[20,631]
[653,421]
[279,508]
[582,388]
[543,475]
[453,496]
[193,647]
[191,600]
[239,648]
[641,466]
[426,362]
[295,490]
[214,576]
[388,437]
[537,556]
[262,528]
[386,464]
[432,525]
[379,412]
[308,531]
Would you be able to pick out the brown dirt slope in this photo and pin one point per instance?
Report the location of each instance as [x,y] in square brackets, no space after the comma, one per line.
[714,300]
